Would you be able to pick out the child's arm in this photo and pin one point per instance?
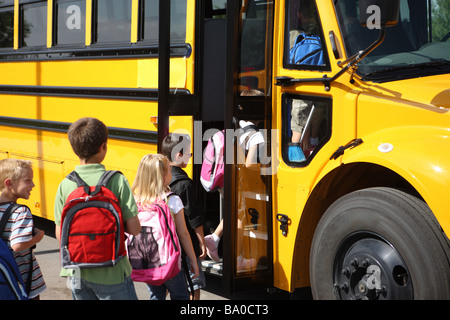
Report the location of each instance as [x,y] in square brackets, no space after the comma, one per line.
[39,234]
[128,205]
[201,240]
[133,226]
[57,232]
[185,240]
[252,156]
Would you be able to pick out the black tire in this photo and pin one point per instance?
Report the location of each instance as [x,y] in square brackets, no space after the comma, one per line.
[379,243]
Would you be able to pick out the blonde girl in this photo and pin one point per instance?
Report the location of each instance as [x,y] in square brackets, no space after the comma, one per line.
[151,185]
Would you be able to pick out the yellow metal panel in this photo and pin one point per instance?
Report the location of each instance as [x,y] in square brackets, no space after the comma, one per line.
[418,154]
[89,73]
[17,73]
[88,23]
[134,20]
[16,24]
[147,71]
[292,186]
[412,118]
[190,39]
[128,73]
[291,198]
[52,154]
[49,23]
[115,113]
[24,144]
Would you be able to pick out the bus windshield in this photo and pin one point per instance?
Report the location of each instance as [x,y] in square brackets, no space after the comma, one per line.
[418,45]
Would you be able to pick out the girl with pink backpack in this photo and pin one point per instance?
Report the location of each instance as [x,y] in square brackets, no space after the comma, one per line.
[156,252]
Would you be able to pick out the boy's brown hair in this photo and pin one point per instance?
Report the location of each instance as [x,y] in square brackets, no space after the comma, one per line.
[86,136]
[172,140]
[12,169]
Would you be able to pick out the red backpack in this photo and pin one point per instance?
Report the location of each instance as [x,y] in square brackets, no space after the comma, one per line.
[92,229]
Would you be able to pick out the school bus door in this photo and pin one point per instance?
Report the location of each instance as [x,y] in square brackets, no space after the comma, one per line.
[304,119]
[247,218]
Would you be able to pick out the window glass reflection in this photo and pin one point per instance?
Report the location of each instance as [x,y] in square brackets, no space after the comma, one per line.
[7,24]
[70,22]
[34,24]
[113,21]
[150,29]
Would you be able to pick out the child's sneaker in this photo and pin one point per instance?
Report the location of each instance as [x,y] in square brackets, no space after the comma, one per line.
[245,264]
[211,248]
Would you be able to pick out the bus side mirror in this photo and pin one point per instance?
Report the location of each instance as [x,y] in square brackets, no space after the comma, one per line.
[376,14]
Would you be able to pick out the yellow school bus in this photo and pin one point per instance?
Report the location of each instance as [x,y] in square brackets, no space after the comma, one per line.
[62,60]
[348,195]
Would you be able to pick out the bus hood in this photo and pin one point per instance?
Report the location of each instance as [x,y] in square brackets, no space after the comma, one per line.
[433,90]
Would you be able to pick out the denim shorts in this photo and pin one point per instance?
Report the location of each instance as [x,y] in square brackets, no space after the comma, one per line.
[85,290]
[176,287]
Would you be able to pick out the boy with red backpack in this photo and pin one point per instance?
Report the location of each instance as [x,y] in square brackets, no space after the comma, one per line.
[95,259]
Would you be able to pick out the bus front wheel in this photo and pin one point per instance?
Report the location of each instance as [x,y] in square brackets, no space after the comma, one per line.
[377,244]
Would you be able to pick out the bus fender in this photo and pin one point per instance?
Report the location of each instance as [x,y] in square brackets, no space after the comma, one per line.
[416,153]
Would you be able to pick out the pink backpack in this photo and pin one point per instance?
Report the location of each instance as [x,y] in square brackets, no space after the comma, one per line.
[155,254]
[213,167]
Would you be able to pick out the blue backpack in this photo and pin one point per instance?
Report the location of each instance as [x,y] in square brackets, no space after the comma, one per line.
[307,51]
[11,283]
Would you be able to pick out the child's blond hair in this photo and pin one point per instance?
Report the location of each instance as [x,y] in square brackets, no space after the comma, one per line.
[148,186]
[12,169]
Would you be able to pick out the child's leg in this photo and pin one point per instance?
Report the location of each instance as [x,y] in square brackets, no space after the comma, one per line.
[121,291]
[85,290]
[177,287]
[157,292]
[81,290]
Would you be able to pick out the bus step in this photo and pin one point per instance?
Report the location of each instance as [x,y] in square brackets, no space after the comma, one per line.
[213,267]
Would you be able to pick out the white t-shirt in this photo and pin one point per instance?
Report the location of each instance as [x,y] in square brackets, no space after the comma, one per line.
[256,138]
[175,204]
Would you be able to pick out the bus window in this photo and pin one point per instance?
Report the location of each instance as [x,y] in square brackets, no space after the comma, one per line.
[304,43]
[33,24]
[7,23]
[306,128]
[150,21]
[70,22]
[255,41]
[219,4]
[215,9]
[113,21]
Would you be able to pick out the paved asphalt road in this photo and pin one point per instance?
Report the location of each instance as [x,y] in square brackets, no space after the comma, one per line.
[47,254]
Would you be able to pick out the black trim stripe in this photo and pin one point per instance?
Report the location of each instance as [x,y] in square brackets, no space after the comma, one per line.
[135,51]
[88,92]
[62,127]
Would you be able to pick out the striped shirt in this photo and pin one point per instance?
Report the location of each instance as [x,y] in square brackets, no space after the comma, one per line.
[18,229]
